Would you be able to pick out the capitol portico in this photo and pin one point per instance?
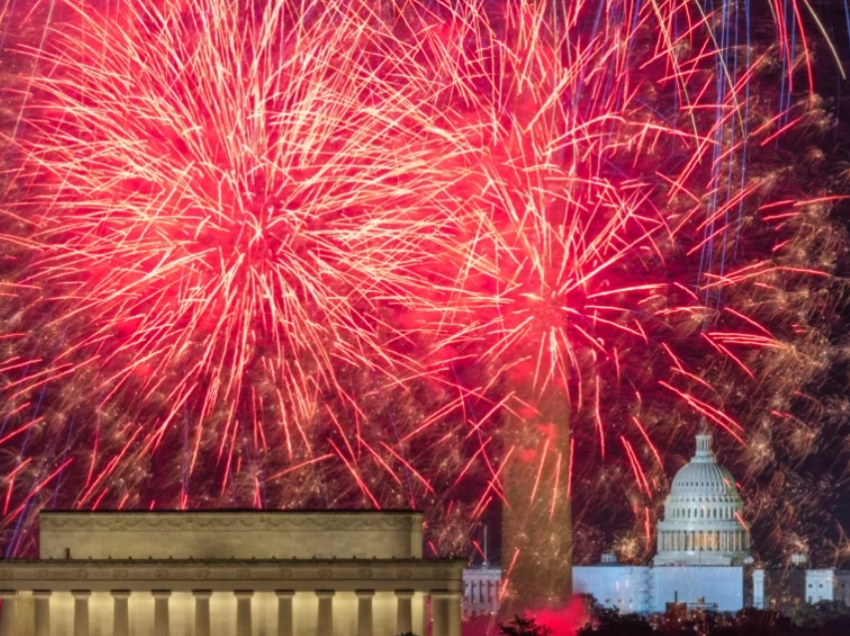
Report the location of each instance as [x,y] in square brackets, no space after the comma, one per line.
[243,573]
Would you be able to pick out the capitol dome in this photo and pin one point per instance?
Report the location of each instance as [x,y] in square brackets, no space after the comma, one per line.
[702,515]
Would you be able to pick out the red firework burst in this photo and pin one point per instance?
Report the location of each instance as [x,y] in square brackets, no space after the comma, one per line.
[304,242]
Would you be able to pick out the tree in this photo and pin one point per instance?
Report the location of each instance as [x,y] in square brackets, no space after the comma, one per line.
[610,622]
[755,622]
[523,626]
[820,614]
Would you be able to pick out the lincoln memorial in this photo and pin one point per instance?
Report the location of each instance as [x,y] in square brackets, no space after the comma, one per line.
[230,573]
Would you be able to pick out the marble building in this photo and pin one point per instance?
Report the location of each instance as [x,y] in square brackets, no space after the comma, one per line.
[230,573]
[702,550]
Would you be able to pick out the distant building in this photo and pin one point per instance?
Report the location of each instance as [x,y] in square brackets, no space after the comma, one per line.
[828,585]
[703,546]
[783,589]
[482,587]
[780,589]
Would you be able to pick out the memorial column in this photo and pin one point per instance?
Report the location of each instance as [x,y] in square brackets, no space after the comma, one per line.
[453,600]
[243,612]
[202,612]
[439,612]
[364,612]
[8,615]
[42,612]
[81,612]
[285,625]
[160,612]
[326,612]
[120,612]
[404,614]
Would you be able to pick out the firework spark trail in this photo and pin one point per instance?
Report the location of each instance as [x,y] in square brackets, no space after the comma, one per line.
[303,248]
[607,224]
[233,204]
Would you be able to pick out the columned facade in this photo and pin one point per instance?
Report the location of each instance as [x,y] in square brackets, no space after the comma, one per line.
[482,588]
[703,524]
[264,595]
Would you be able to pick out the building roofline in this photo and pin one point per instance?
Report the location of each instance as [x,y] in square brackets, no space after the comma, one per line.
[294,561]
[228,511]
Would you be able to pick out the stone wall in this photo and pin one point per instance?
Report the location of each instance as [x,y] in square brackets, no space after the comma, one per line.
[226,534]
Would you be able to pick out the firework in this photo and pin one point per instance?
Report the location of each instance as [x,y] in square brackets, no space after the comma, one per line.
[377,253]
[640,252]
[222,224]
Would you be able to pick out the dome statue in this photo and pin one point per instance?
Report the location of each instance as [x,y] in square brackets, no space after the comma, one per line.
[702,515]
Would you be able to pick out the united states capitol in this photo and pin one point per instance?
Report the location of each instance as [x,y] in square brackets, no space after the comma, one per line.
[703,558]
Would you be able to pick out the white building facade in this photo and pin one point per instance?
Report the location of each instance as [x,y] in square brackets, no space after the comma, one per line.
[828,585]
[239,573]
[647,589]
[785,588]
[703,546]
[482,590]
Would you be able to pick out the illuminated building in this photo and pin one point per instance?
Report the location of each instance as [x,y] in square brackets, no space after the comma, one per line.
[784,588]
[226,573]
[703,546]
